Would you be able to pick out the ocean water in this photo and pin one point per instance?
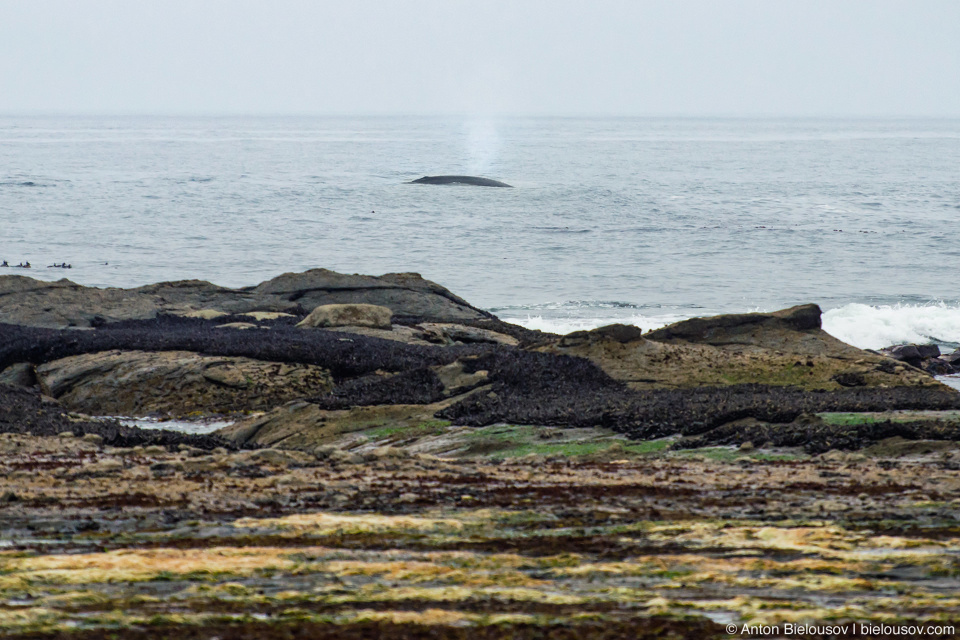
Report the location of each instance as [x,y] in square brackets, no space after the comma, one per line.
[645,221]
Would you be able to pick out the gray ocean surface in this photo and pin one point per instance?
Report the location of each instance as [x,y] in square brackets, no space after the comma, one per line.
[632,220]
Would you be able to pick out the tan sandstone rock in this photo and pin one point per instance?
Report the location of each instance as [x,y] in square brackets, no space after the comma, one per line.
[204,314]
[786,347]
[238,325]
[348,315]
[267,315]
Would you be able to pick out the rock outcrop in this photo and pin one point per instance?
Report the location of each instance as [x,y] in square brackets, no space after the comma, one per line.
[740,328]
[926,357]
[175,383]
[61,304]
[193,348]
[403,293]
[785,348]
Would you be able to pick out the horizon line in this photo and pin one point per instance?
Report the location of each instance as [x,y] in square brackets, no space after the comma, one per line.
[474,116]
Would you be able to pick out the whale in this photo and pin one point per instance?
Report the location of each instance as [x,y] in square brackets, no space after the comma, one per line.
[473,180]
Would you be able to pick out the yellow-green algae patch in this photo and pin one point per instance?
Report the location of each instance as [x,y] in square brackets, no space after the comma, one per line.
[139,565]
[329,523]
[417,572]
[375,593]
[828,541]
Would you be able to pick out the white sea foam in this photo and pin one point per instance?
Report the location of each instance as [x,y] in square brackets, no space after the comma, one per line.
[875,327]
[568,325]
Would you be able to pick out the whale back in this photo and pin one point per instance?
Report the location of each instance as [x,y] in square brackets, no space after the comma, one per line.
[471,180]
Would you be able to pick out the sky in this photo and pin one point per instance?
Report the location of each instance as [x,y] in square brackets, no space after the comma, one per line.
[521,57]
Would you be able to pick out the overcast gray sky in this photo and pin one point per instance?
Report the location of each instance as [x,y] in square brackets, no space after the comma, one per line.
[558,57]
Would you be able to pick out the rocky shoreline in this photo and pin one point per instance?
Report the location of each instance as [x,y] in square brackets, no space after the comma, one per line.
[361,399]
[192,350]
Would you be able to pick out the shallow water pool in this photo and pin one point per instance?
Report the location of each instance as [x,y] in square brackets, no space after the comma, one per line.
[951,381]
[183,426]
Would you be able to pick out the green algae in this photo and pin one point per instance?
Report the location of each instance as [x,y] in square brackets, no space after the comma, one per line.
[853,418]
[404,432]
[514,441]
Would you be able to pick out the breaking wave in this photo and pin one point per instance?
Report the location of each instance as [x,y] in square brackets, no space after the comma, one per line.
[875,327]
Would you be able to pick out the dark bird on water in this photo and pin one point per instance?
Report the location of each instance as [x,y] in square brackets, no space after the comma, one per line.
[472,180]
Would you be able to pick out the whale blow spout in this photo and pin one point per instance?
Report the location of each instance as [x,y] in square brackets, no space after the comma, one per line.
[473,180]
